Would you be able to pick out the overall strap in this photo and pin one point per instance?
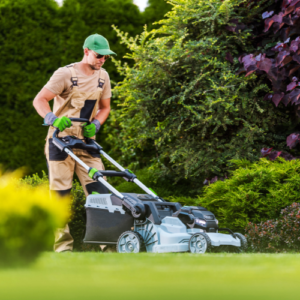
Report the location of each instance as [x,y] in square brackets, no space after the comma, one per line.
[74,78]
[101,80]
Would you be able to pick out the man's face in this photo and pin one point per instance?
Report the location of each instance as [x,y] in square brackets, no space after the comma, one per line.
[94,62]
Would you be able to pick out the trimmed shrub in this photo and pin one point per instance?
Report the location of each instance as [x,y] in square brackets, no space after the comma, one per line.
[76,210]
[28,218]
[279,235]
[254,192]
[78,217]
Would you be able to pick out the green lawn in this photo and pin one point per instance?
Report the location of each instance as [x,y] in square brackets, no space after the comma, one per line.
[154,276]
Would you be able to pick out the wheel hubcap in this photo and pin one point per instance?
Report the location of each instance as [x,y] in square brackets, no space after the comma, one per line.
[130,247]
[129,243]
[198,244]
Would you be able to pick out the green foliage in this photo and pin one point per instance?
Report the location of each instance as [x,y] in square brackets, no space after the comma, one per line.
[184,107]
[254,192]
[78,216]
[29,43]
[279,235]
[35,180]
[155,11]
[28,217]
[164,187]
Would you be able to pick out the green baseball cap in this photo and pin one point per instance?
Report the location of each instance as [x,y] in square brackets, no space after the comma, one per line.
[99,44]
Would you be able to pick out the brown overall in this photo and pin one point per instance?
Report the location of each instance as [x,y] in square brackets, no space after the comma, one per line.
[61,166]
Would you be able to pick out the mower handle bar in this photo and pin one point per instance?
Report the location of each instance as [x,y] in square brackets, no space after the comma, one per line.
[57,131]
[135,180]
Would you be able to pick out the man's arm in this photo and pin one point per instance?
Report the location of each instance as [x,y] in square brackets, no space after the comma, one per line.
[104,109]
[41,102]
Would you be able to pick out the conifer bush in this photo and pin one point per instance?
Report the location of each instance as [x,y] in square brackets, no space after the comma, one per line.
[254,192]
[184,106]
[277,235]
[28,218]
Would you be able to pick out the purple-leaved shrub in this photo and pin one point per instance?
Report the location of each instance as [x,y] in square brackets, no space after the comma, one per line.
[277,235]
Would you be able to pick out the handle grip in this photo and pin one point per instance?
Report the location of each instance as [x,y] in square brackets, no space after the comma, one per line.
[80,120]
[56,132]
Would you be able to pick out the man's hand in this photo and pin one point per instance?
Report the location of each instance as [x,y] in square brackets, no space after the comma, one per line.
[60,123]
[91,129]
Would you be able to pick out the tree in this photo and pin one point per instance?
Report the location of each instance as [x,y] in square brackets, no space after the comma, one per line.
[29,54]
[185,107]
[155,11]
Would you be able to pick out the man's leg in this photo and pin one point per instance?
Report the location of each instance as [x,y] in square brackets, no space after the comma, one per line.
[63,240]
[88,184]
[61,169]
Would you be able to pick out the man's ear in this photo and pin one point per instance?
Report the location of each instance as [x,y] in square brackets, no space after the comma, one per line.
[86,51]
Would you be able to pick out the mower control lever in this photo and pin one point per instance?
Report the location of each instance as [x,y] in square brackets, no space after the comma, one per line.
[136,209]
[128,176]
[75,143]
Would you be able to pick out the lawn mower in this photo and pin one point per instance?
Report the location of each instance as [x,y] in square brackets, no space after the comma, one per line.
[144,222]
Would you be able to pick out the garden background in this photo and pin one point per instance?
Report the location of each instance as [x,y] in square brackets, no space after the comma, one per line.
[198,99]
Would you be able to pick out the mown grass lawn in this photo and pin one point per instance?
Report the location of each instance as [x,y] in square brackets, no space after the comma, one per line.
[154,276]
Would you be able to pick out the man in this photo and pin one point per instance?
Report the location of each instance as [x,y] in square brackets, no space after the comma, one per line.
[79,90]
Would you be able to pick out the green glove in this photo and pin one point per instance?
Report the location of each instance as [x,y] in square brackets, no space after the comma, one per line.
[62,123]
[89,130]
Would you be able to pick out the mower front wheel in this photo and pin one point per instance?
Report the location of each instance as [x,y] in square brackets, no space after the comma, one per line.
[199,243]
[130,242]
[244,244]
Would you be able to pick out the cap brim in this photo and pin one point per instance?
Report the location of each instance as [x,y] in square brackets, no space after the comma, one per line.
[105,52]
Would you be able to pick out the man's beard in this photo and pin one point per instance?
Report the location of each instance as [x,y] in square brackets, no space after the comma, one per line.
[94,67]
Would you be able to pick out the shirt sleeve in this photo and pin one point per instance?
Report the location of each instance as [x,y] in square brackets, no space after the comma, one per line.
[107,88]
[57,82]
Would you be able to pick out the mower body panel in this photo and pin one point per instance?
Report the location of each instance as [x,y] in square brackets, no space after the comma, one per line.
[219,239]
[173,236]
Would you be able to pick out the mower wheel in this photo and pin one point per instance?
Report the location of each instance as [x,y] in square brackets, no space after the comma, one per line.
[199,243]
[244,244]
[130,242]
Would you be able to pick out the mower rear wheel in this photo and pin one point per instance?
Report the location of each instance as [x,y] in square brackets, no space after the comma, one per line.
[199,243]
[244,244]
[130,242]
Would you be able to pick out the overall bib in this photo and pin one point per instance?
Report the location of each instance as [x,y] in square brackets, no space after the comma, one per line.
[61,167]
